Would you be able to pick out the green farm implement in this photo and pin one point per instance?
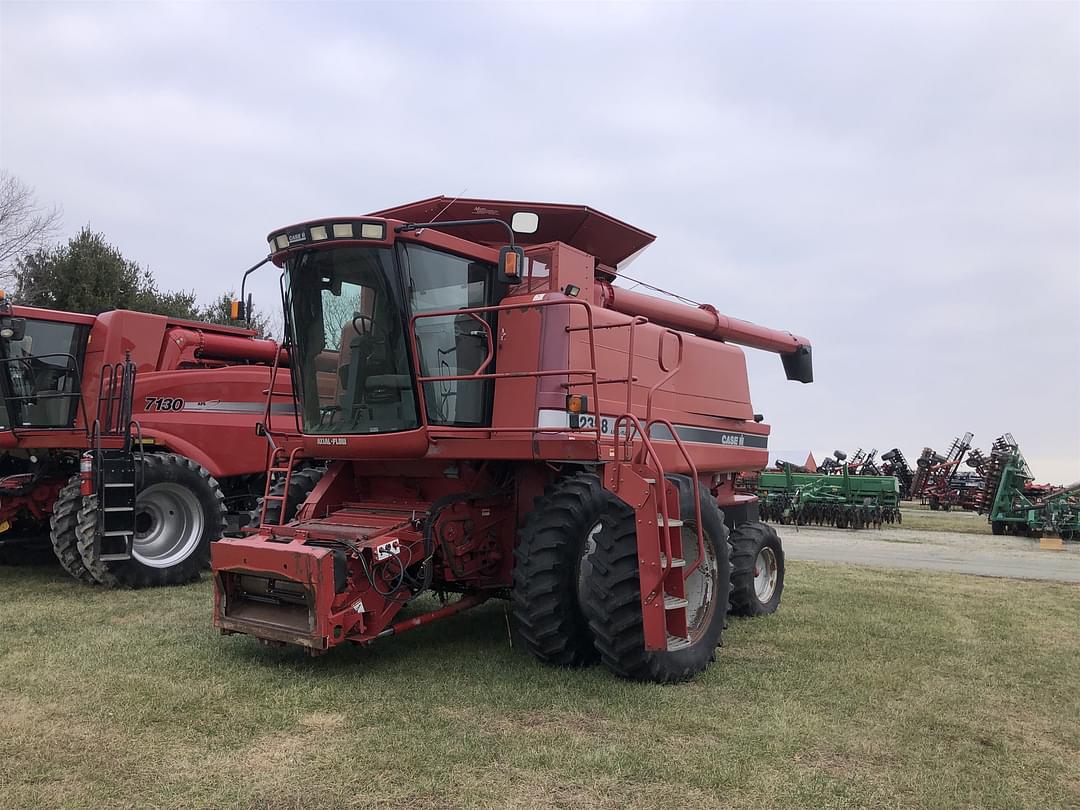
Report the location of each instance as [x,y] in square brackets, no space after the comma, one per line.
[1014,505]
[845,501]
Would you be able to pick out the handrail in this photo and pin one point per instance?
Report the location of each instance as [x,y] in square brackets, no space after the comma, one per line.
[647,450]
[474,312]
[670,372]
[697,488]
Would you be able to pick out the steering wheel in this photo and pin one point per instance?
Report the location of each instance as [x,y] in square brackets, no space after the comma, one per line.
[366,322]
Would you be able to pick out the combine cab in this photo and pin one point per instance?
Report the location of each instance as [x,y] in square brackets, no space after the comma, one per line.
[500,419]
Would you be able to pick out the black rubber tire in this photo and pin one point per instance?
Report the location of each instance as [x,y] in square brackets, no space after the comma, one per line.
[997,527]
[548,560]
[613,600]
[746,541]
[65,543]
[934,505]
[158,468]
[301,483]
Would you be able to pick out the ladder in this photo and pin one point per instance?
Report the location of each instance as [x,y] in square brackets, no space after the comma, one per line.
[116,474]
[637,478]
[281,467]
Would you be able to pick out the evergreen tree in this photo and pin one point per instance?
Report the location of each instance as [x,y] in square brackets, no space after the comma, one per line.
[89,275]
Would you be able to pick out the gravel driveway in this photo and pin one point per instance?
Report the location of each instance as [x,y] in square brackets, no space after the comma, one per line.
[916,549]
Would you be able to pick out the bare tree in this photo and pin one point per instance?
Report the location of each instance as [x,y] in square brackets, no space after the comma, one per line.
[24,224]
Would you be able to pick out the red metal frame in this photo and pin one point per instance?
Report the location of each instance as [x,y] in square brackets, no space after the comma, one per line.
[199,391]
[391,501]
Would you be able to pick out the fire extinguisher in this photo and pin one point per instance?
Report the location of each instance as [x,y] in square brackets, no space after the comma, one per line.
[86,474]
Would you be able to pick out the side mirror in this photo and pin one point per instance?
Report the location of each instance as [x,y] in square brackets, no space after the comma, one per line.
[525,222]
[511,264]
[13,328]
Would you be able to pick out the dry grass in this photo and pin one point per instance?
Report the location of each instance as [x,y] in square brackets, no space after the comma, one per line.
[869,688]
[922,519]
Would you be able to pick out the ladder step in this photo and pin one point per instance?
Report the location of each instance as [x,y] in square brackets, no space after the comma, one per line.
[674,602]
[114,557]
[649,480]
[677,643]
[111,486]
[116,533]
[118,509]
[673,523]
[677,562]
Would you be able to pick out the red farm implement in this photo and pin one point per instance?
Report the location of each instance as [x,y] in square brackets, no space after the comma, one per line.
[500,419]
[158,414]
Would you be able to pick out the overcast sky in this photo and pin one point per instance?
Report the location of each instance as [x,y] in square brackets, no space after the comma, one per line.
[900,183]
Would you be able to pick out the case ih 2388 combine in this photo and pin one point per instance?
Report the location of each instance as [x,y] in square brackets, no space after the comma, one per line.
[504,421]
[162,411]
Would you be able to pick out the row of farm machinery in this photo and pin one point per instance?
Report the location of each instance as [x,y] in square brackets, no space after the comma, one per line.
[474,409]
[461,407]
[864,492]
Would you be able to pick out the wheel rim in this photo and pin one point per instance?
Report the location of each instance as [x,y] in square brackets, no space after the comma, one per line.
[766,572]
[168,525]
[584,566]
[701,586]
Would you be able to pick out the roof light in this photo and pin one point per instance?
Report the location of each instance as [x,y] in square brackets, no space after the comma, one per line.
[373,230]
[343,230]
[282,242]
[318,233]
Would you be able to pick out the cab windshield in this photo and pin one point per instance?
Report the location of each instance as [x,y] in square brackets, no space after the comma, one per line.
[353,367]
[39,375]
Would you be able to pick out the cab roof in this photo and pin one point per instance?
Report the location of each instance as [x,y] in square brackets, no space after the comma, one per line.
[608,239]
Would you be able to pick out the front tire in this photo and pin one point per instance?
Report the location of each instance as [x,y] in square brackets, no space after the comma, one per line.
[301,483]
[757,581]
[613,593]
[179,511]
[548,561]
[62,534]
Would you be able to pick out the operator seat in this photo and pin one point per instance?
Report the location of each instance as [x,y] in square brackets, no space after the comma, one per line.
[369,387]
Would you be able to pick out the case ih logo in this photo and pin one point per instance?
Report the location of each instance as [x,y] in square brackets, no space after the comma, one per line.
[733,439]
[299,236]
[487,212]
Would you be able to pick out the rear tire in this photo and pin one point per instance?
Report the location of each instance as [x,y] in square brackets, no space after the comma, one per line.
[62,524]
[757,581]
[997,527]
[548,570]
[179,511]
[613,593]
[301,483]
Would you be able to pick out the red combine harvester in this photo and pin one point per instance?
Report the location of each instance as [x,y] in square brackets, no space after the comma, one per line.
[160,412]
[499,419]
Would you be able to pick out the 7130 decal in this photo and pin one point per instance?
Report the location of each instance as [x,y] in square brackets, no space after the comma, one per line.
[164,404]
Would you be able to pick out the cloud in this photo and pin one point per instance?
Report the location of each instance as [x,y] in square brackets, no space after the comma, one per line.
[900,182]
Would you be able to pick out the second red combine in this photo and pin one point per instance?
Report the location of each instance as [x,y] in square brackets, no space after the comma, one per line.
[500,419]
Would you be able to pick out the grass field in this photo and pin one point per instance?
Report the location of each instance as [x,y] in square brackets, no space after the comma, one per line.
[869,688]
[920,518]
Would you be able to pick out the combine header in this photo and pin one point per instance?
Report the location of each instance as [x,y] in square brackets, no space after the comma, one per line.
[500,418]
[1014,506]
